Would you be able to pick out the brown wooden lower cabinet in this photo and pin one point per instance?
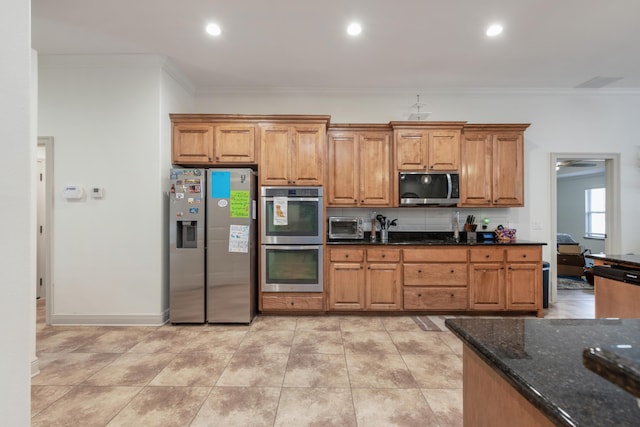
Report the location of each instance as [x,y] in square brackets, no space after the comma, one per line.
[616,299]
[289,302]
[490,401]
[423,298]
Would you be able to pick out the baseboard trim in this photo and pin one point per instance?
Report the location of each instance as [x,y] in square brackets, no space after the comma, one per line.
[111,319]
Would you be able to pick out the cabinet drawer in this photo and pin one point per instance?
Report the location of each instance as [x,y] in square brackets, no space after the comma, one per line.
[435,254]
[384,255]
[525,253]
[351,255]
[489,254]
[435,274]
[435,298]
[294,303]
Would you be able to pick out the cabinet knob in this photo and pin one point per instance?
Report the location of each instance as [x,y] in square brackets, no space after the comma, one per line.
[383,255]
[453,271]
[291,303]
[524,255]
[419,271]
[486,256]
[346,256]
[451,295]
[495,201]
[368,268]
[217,158]
[419,295]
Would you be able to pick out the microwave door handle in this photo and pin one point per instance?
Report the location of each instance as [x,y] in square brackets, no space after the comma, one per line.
[449,185]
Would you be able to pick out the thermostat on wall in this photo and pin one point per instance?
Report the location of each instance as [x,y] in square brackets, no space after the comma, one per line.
[73,192]
[97,192]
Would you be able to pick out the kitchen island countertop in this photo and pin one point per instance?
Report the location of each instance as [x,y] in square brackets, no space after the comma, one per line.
[425,239]
[628,259]
[542,359]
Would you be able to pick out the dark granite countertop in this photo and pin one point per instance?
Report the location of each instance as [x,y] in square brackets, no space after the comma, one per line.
[630,260]
[425,239]
[619,364]
[542,360]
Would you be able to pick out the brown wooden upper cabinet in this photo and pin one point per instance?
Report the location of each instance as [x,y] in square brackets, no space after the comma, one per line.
[204,143]
[427,146]
[292,154]
[492,165]
[359,165]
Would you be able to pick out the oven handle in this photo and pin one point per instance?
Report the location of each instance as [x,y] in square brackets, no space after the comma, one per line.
[283,247]
[297,199]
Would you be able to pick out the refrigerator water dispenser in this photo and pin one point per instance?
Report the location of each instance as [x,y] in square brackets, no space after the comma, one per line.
[187,234]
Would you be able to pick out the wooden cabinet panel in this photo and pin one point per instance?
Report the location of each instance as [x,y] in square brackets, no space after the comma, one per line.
[383,255]
[383,287]
[444,150]
[307,155]
[435,254]
[524,286]
[292,303]
[359,168]
[476,170]
[616,299]
[274,155]
[375,169]
[524,253]
[435,298]
[292,155]
[346,286]
[411,149]
[488,254]
[235,143]
[486,286]
[436,274]
[346,255]
[492,165]
[343,186]
[508,171]
[192,144]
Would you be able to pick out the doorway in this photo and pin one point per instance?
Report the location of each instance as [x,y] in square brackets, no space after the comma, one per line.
[574,165]
[44,223]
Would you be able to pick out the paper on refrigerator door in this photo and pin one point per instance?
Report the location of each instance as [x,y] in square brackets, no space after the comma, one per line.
[280,205]
[239,238]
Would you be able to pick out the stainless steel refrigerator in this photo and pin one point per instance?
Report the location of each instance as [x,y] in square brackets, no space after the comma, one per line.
[213,246]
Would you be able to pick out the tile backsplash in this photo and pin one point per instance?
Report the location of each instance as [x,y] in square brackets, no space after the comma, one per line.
[431,219]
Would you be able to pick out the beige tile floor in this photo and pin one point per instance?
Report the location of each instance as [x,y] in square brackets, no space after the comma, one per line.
[279,371]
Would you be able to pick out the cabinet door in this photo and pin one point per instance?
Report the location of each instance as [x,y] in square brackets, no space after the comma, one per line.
[508,170]
[486,286]
[444,150]
[383,289]
[476,170]
[192,144]
[346,286]
[307,155]
[524,286]
[375,169]
[235,143]
[274,155]
[343,187]
[411,149]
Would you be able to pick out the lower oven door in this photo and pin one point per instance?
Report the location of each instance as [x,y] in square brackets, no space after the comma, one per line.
[291,268]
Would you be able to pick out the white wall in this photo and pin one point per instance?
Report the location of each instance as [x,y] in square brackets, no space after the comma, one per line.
[105,113]
[584,121]
[571,205]
[17,245]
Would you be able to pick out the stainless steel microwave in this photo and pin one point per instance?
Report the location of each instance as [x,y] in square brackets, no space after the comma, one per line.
[429,188]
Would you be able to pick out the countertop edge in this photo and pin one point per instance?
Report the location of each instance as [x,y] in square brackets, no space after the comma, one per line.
[617,369]
[547,407]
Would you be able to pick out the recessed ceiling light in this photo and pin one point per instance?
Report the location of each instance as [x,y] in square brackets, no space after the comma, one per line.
[214,29]
[354,29]
[494,30]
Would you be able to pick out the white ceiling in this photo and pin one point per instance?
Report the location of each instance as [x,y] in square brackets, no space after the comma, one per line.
[405,44]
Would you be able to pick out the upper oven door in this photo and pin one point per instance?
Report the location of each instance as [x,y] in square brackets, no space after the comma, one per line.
[291,219]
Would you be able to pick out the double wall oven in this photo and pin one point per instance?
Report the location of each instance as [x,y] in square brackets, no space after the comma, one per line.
[291,236]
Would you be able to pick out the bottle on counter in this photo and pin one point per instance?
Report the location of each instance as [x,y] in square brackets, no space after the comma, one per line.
[373,226]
